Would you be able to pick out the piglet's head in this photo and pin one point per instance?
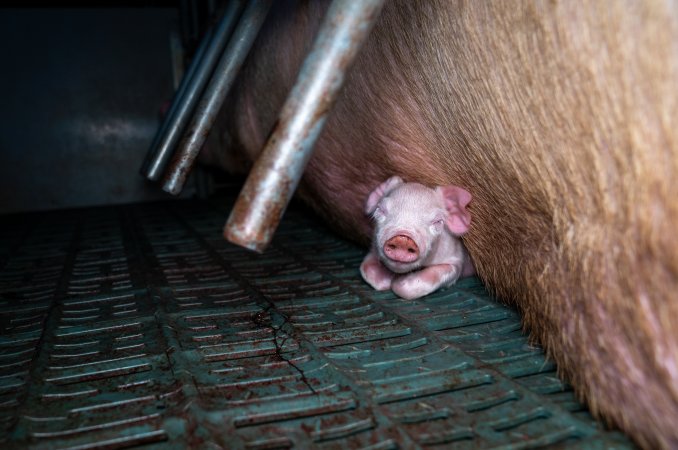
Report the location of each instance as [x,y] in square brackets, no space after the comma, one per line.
[410,218]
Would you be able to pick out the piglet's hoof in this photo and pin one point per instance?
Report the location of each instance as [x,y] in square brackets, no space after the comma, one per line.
[411,287]
[375,274]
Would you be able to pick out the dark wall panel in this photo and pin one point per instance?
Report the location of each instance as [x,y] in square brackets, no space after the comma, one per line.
[80,91]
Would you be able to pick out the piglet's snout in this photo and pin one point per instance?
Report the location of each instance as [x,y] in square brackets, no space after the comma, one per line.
[401,248]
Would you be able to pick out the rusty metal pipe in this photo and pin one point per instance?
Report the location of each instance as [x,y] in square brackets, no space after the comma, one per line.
[191,87]
[154,162]
[276,174]
[213,98]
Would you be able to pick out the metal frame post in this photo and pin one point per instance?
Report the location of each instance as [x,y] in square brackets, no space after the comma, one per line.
[276,174]
[192,85]
[224,75]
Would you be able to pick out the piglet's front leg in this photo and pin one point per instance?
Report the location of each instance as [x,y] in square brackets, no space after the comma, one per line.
[374,272]
[417,284]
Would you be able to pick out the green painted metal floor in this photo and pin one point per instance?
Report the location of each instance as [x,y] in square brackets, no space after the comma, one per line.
[138,326]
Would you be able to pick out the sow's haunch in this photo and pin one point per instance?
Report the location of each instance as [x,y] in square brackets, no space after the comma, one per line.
[560,119]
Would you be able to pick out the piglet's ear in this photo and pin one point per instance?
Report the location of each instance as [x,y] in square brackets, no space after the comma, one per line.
[458,218]
[381,190]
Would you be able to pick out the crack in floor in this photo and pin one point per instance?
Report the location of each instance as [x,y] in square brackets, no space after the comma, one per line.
[260,320]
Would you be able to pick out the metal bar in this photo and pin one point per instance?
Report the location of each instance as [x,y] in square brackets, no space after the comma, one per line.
[224,75]
[276,174]
[154,161]
[191,87]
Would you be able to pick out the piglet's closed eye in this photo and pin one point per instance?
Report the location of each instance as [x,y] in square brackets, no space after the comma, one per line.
[456,199]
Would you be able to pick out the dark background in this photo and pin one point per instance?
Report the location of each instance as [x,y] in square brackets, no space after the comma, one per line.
[81,91]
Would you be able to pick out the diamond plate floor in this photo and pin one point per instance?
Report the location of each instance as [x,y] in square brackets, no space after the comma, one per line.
[138,326]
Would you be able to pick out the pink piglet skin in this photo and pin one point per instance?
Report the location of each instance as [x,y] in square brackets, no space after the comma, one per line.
[416,247]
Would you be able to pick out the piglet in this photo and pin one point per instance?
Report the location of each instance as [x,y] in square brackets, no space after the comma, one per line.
[416,247]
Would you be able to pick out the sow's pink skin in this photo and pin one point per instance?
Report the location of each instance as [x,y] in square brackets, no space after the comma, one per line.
[416,247]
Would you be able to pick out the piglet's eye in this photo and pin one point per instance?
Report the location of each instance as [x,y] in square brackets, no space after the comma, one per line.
[436,226]
[378,214]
